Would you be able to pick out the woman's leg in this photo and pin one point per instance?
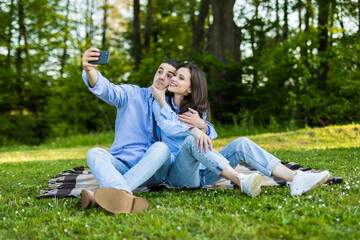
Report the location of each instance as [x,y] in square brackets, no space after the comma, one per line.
[185,171]
[243,149]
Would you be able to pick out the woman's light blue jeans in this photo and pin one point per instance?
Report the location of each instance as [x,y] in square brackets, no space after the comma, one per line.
[185,169]
[112,172]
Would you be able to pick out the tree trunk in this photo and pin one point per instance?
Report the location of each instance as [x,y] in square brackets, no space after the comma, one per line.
[308,15]
[66,35]
[300,6]
[198,32]
[23,34]
[9,37]
[358,16]
[286,24]
[323,41]
[332,20]
[136,37]
[148,26]
[192,13]
[224,37]
[89,28]
[277,21]
[104,27]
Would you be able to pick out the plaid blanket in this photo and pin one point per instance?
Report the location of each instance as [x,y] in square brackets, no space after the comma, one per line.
[71,182]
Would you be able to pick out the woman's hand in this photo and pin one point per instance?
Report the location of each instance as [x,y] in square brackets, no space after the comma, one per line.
[201,139]
[192,119]
[90,55]
[159,95]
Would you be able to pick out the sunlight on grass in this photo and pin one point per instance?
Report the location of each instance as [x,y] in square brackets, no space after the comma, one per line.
[44,154]
[304,139]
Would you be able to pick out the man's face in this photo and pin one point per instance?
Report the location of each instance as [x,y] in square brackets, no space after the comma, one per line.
[163,75]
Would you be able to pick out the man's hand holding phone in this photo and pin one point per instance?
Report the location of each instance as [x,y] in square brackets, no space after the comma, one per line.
[94,57]
[92,54]
[90,60]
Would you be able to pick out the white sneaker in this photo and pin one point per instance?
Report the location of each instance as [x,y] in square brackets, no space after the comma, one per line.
[305,182]
[250,184]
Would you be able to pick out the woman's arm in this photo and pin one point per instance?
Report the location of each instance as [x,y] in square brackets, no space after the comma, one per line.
[168,122]
[192,119]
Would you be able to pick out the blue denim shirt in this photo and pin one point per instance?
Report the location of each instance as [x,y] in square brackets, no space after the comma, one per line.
[173,131]
[134,123]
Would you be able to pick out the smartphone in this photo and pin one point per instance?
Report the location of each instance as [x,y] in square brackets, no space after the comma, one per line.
[103,58]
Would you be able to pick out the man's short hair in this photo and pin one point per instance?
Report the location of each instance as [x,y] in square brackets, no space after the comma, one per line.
[172,62]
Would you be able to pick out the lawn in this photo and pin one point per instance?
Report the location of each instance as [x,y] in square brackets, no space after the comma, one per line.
[331,212]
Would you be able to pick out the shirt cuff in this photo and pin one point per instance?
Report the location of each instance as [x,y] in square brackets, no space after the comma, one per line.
[99,85]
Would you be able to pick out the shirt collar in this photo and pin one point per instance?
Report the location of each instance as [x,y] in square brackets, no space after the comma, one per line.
[148,93]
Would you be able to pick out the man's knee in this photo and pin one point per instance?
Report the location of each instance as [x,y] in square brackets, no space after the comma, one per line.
[93,154]
[162,148]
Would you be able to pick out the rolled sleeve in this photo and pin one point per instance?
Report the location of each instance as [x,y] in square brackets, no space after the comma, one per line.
[211,131]
[99,86]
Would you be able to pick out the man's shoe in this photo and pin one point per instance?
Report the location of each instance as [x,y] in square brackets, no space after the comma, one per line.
[306,182]
[119,201]
[87,199]
[250,184]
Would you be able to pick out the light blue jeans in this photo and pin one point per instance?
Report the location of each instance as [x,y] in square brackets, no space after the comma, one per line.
[112,172]
[185,169]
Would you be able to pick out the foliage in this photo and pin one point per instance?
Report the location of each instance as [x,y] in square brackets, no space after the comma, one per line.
[276,83]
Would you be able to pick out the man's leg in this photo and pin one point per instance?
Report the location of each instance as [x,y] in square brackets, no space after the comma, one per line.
[107,169]
[156,161]
[114,194]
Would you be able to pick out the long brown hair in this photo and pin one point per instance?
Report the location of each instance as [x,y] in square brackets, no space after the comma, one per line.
[197,99]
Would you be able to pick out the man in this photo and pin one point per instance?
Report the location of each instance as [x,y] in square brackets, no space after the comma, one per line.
[134,157]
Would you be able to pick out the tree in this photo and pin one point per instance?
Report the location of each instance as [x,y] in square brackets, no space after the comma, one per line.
[286,24]
[136,35]
[224,37]
[323,41]
[198,31]
[148,26]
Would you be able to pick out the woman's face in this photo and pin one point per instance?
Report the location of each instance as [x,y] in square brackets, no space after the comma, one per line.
[180,83]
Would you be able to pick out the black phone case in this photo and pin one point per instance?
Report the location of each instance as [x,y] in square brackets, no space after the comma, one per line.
[103,58]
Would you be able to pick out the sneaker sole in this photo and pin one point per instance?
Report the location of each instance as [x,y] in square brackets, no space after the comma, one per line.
[86,199]
[319,183]
[256,186]
[119,201]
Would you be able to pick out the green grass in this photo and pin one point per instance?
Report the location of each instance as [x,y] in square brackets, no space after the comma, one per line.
[331,212]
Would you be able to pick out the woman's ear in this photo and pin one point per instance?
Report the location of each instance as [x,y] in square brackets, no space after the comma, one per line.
[189,91]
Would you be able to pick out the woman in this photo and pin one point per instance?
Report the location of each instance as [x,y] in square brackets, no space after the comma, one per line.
[191,165]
